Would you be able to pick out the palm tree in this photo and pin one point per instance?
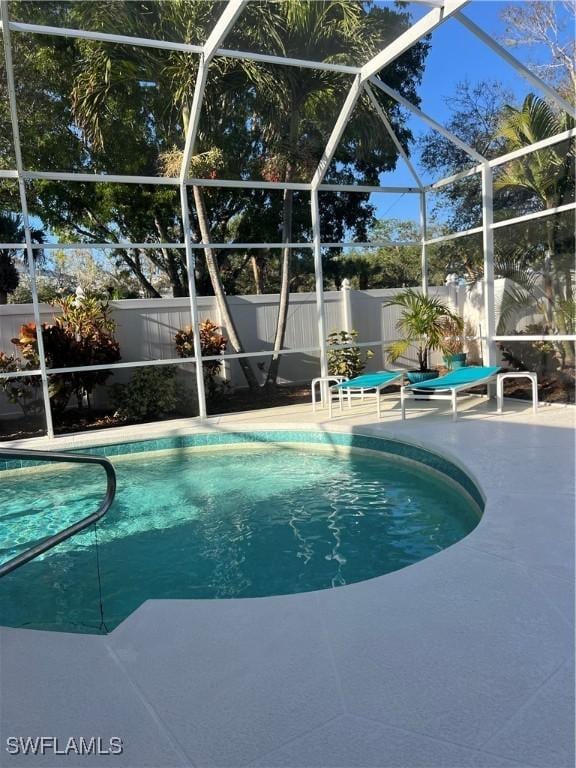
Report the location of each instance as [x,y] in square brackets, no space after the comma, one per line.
[295,109]
[423,323]
[546,176]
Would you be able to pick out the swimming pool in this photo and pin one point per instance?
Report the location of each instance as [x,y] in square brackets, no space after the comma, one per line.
[225,516]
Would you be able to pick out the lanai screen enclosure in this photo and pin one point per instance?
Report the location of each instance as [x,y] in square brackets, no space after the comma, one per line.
[369,80]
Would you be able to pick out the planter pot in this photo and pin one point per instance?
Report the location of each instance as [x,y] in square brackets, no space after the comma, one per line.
[415,377]
[455,361]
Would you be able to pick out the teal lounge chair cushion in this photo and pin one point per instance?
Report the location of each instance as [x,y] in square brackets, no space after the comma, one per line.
[370,380]
[460,377]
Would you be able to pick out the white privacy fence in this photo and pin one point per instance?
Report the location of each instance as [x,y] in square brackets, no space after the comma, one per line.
[145,329]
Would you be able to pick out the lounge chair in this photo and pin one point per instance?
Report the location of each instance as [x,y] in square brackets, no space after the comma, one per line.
[367,383]
[450,384]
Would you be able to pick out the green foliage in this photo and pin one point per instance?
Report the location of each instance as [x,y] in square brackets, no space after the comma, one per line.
[547,174]
[346,362]
[9,278]
[453,335]
[394,265]
[151,393]
[539,356]
[475,113]
[24,391]
[212,342]
[48,292]
[421,321]
[12,231]
[83,334]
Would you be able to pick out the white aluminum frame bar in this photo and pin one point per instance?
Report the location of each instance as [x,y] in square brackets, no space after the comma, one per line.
[518,66]
[451,179]
[373,244]
[535,215]
[532,337]
[488,244]
[114,246]
[319,283]
[362,188]
[407,39]
[105,37]
[4,15]
[424,250]
[543,144]
[286,61]
[431,3]
[193,302]
[470,151]
[221,28]
[100,37]
[19,374]
[403,154]
[388,54]
[454,235]
[224,23]
[508,157]
[337,131]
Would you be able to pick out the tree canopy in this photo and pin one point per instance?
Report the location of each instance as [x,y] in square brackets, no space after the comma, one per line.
[90,106]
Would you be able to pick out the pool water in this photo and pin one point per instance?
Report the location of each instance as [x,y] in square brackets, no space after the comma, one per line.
[239,523]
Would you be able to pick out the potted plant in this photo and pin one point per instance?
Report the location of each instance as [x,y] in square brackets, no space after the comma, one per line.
[453,343]
[421,322]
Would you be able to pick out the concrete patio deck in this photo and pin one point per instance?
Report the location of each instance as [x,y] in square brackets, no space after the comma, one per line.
[462,660]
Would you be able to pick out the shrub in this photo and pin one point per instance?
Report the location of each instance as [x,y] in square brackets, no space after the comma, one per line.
[25,391]
[453,336]
[81,335]
[212,342]
[346,362]
[539,356]
[151,393]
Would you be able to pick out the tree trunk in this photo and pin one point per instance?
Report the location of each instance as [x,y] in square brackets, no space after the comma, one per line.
[3,297]
[284,302]
[151,292]
[216,280]
[288,205]
[257,274]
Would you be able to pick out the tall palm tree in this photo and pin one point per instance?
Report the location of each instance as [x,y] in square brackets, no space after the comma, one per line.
[295,109]
[546,176]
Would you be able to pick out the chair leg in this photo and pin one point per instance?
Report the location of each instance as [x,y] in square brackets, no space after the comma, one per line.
[499,395]
[402,403]
[378,402]
[454,406]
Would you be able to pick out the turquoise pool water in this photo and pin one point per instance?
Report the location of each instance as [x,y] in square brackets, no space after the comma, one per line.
[264,519]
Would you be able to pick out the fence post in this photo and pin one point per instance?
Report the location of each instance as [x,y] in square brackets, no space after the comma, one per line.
[346,306]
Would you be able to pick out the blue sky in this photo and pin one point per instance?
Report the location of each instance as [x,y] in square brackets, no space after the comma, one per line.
[455,55]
